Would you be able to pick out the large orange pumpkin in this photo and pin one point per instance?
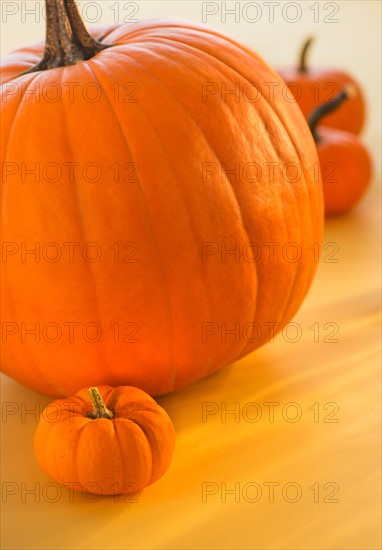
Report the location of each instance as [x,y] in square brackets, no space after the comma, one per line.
[152,159]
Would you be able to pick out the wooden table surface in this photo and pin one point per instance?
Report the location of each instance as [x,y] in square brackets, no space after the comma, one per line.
[298,465]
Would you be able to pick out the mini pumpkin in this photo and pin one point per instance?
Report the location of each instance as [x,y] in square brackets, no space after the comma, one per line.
[105,440]
[345,162]
[146,162]
[314,86]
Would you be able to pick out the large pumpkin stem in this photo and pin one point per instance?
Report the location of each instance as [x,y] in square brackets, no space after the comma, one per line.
[99,406]
[315,116]
[303,67]
[67,40]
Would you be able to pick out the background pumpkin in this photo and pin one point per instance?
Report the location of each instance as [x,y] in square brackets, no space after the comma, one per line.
[312,86]
[117,449]
[345,162]
[167,208]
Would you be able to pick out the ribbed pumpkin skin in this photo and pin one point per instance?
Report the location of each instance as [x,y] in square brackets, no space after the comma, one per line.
[169,213]
[118,456]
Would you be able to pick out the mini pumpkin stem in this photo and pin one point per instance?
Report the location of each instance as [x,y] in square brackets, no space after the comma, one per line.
[99,406]
[315,116]
[67,40]
[303,67]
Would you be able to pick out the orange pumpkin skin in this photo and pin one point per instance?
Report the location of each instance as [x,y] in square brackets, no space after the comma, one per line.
[346,169]
[152,301]
[317,86]
[105,456]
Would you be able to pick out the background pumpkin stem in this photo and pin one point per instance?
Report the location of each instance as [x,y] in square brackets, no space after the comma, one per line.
[303,68]
[99,407]
[315,116]
[67,39]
